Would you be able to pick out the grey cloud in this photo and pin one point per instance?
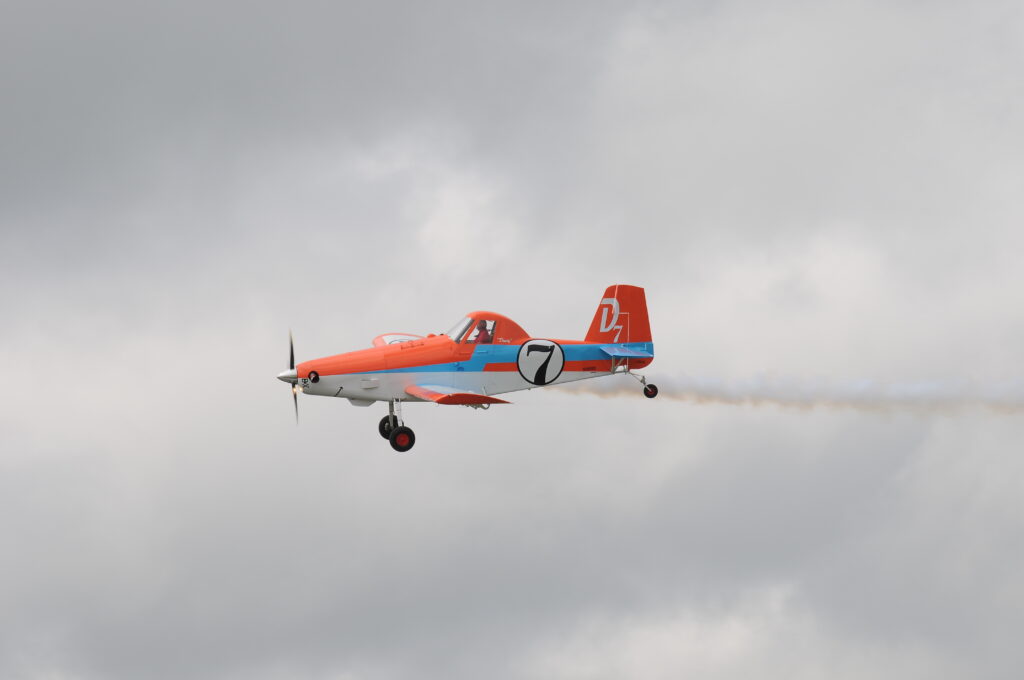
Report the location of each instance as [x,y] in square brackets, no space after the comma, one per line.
[805,192]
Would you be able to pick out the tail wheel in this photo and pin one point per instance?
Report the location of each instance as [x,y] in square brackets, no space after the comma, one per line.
[387,423]
[402,438]
[650,391]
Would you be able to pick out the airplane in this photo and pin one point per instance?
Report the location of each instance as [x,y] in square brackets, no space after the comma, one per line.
[483,355]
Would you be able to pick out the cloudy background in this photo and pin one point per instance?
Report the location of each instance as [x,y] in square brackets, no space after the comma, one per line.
[808,191]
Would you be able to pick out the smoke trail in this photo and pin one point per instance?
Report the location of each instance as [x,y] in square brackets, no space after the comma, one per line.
[932,397]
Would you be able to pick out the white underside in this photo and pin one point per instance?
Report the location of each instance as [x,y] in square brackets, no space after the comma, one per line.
[365,388]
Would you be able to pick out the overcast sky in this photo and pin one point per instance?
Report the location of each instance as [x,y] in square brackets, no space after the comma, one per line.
[808,191]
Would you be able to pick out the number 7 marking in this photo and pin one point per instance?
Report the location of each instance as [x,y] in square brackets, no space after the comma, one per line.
[542,372]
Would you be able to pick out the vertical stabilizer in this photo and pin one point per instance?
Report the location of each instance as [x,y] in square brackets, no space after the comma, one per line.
[621,316]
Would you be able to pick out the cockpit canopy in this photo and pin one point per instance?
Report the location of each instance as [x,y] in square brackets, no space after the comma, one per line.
[484,328]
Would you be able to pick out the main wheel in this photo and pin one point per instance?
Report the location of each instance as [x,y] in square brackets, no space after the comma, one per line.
[402,438]
[387,423]
[650,391]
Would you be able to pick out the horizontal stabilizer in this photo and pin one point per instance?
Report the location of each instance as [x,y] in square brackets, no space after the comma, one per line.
[440,394]
[620,351]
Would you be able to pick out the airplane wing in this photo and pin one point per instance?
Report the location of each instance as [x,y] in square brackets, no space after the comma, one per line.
[440,394]
[392,338]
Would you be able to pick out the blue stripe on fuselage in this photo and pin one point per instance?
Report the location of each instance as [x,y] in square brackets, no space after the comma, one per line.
[507,354]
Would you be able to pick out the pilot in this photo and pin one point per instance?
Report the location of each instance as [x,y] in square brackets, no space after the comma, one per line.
[482,336]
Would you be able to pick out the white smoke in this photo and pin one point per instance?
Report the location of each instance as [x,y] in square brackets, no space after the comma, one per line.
[926,397]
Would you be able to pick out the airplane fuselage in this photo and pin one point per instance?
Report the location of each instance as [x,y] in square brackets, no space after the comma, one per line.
[386,373]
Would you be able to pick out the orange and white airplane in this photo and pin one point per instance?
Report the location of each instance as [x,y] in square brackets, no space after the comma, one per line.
[482,355]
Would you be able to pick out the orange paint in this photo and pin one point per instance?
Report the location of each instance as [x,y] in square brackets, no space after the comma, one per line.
[625,320]
[629,324]
[454,399]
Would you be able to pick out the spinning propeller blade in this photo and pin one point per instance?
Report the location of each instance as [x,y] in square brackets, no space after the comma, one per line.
[289,376]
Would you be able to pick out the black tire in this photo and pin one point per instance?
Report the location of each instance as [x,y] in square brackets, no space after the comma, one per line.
[387,423]
[651,391]
[402,438]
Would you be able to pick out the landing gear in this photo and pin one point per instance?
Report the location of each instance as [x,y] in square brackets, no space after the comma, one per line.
[402,438]
[650,391]
[387,423]
[393,428]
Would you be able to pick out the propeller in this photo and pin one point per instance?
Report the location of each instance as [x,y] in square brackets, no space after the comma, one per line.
[290,376]
[291,365]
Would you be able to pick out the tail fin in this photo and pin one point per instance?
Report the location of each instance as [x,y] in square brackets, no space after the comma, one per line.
[621,316]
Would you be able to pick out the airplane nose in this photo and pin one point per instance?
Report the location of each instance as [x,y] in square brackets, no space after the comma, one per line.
[288,376]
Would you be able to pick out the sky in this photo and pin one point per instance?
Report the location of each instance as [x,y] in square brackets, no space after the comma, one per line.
[810,193]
